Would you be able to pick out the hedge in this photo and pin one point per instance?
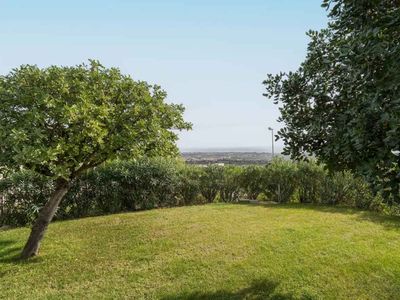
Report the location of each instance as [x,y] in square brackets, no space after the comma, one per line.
[150,183]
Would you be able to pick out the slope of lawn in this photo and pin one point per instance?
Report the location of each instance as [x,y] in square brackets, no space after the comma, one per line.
[219,251]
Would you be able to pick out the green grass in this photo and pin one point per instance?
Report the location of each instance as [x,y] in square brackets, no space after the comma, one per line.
[218,251]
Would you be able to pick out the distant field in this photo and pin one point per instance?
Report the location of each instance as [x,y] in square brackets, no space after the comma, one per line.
[217,251]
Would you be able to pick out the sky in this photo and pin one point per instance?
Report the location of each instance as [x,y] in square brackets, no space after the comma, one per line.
[211,56]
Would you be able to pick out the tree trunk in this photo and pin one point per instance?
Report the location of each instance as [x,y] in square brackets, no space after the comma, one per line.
[46,214]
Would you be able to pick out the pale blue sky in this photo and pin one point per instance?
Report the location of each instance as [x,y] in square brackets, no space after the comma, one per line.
[209,55]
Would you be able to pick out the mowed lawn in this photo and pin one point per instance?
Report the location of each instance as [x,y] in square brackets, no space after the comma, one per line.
[219,251]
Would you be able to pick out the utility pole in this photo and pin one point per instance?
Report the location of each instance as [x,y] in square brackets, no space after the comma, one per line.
[272,140]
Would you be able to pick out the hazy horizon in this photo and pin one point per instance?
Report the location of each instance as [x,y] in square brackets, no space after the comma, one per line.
[210,56]
[229,149]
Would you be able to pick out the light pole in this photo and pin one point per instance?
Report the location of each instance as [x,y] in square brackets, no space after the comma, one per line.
[272,139]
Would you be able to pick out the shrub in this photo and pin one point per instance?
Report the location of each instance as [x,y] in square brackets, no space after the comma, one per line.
[189,184]
[310,179]
[126,185]
[280,180]
[81,198]
[114,187]
[211,181]
[24,193]
[377,204]
[230,184]
[343,188]
[148,183]
[251,181]
[336,187]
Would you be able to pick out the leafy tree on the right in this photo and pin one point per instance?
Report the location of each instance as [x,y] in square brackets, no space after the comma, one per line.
[343,103]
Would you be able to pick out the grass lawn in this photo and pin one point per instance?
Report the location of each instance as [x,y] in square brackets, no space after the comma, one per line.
[219,251]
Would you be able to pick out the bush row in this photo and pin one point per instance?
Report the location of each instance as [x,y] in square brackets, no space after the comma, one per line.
[148,183]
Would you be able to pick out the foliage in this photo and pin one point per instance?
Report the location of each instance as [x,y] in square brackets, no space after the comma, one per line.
[280,180]
[189,184]
[251,180]
[24,193]
[311,179]
[124,186]
[343,103]
[342,188]
[114,187]
[60,121]
[146,183]
[230,185]
[211,181]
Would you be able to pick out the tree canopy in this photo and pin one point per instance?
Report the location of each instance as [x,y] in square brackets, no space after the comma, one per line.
[59,121]
[343,103]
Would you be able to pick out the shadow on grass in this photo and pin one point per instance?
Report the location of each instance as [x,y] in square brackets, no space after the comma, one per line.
[389,222]
[259,289]
[8,251]
[10,254]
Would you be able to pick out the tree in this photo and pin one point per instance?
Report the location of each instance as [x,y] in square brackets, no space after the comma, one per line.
[343,103]
[62,121]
